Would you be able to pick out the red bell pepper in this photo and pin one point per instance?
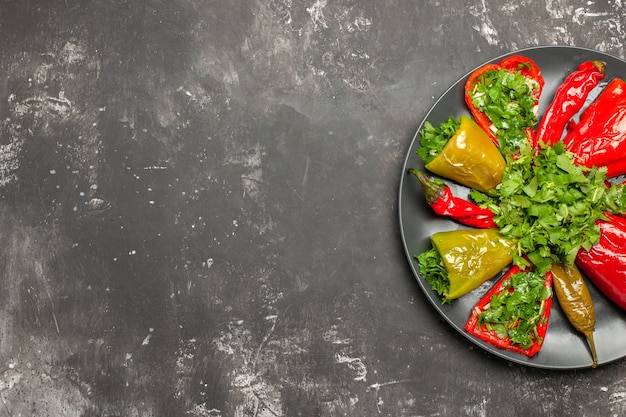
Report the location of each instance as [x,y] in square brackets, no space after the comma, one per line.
[480,117]
[605,263]
[569,98]
[523,64]
[514,64]
[599,139]
[439,196]
[492,321]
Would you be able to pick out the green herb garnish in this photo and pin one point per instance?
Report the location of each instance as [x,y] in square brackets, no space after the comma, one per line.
[434,271]
[433,139]
[515,312]
[548,205]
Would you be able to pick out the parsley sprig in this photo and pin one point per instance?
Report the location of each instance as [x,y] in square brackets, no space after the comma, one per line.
[432,268]
[434,138]
[548,205]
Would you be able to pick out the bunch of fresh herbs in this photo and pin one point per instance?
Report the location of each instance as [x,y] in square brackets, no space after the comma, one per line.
[549,205]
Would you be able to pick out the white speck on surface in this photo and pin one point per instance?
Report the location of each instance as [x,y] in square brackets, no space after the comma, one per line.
[488,31]
[248,361]
[331,336]
[581,14]
[201,410]
[73,53]
[317,14]
[355,364]
[617,397]
[479,409]
[384,384]
[9,380]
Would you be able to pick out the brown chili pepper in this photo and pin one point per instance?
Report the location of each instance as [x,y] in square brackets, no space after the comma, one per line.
[575,300]
[439,196]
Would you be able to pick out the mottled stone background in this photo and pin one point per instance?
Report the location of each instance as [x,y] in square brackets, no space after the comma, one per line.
[198,208]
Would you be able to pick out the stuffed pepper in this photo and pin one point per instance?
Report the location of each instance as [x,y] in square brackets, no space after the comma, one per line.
[461,151]
[504,98]
[599,138]
[514,314]
[461,260]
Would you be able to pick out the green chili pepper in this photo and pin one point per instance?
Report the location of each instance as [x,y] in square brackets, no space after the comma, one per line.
[468,257]
[462,152]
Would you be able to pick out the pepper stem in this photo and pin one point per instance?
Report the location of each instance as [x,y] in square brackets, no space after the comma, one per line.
[433,190]
[601,65]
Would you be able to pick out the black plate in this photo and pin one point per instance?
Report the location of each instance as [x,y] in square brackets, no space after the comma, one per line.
[563,348]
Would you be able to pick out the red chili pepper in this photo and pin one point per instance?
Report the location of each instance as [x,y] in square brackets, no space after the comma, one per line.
[482,331]
[605,263]
[599,139]
[439,196]
[569,98]
[514,63]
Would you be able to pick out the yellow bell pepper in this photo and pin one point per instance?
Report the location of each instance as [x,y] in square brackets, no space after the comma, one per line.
[471,257]
[470,158]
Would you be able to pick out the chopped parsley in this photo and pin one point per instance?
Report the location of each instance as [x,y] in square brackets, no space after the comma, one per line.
[548,205]
[507,99]
[434,272]
[433,139]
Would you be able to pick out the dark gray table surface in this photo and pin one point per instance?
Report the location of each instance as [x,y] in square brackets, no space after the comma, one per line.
[198,208]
